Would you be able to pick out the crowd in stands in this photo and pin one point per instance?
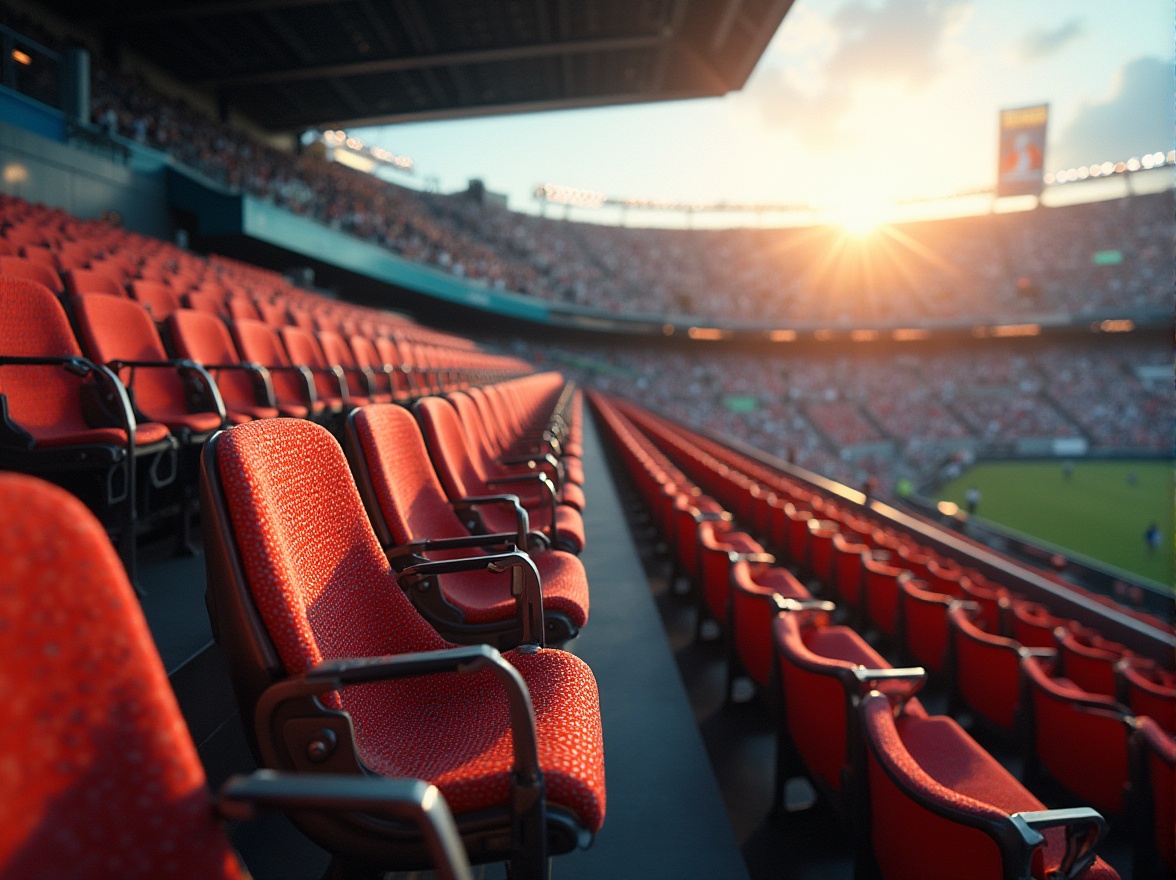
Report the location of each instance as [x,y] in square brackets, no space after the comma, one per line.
[1000,266]
[888,416]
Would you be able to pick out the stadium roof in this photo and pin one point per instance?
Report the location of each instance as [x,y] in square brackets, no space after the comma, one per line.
[296,64]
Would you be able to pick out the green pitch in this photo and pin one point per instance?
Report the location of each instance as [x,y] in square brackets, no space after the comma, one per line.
[1098,512]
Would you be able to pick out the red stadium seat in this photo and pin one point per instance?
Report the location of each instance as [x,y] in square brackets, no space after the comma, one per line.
[754,586]
[1154,790]
[939,805]
[415,522]
[157,298]
[294,388]
[17,267]
[330,386]
[83,281]
[305,603]
[1148,690]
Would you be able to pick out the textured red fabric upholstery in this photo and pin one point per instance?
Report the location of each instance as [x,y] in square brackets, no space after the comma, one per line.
[100,779]
[1085,752]
[324,590]
[46,401]
[1033,626]
[821,534]
[204,338]
[17,267]
[121,330]
[935,759]
[366,355]
[338,353]
[1089,661]
[847,569]
[752,614]
[207,302]
[414,507]
[987,670]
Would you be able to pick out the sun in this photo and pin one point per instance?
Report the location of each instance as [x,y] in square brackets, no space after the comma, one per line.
[860,219]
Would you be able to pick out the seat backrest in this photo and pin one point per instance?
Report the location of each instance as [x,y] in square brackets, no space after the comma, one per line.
[1088,660]
[366,355]
[448,443]
[259,343]
[338,353]
[41,400]
[82,281]
[1083,750]
[122,330]
[19,267]
[410,499]
[304,350]
[206,302]
[101,778]
[311,563]
[1150,691]
[1158,766]
[204,338]
[986,669]
[157,298]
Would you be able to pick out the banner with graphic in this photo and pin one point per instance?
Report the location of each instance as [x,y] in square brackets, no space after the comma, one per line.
[1022,151]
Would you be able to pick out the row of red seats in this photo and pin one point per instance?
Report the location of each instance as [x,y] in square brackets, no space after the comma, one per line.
[751,636]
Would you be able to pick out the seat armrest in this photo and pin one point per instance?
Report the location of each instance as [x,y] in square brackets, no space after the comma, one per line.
[83,367]
[754,558]
[525,585]
[542,480]
[785,604]
[898,684]
[333,675]
[717,516]
[401,800]
[522,518]
[1084,828]
[415,548]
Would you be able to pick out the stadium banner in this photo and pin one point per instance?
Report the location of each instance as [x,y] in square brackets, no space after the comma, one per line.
[1022,150]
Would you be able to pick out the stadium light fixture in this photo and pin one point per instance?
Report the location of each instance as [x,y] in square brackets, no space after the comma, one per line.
[22,57]
[706,333]
[782,335]
[1114,325]
[910,334]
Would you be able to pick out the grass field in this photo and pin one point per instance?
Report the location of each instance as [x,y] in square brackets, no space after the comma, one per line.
[1097,512]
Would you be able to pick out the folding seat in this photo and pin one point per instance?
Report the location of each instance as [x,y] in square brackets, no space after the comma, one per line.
[937,805]
[1148,690]
[70,419]
[991,599]
[1031,624]
[102,779]
[922,625]
[177,393]
[847,571]
[358,380]
[494,464]
[984,670]
[403,378]
[340,674]
[82,281]
[330,386]
[294,388]
[880,585]
[509,448]
[1153,785]
[1088,660]
[823,671]
[274,313]
[792,534]
[461,475]
[44,255]
[157,298]
[17,267]
[246,389]
[203,302]
[415,522]
[754,586]
[1080,739]
[820,548]
[718,547]
[367,357]
[242,308]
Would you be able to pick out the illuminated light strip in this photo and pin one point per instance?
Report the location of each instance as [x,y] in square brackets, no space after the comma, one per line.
[1147,162]
[1114,325]
[863,335]
[340,141]
[909,334]
[782,336]
[823,335]
[705,333]
[1008,330]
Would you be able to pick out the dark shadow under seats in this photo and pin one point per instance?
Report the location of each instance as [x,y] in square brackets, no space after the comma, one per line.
[416,523]
[101,778]
[335,671]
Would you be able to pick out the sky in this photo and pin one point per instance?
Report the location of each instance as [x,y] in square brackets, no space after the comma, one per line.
[854,102]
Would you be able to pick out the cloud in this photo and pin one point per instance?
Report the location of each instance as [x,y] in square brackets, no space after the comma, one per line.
[1040,43]
[898,42]
[1136,119]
